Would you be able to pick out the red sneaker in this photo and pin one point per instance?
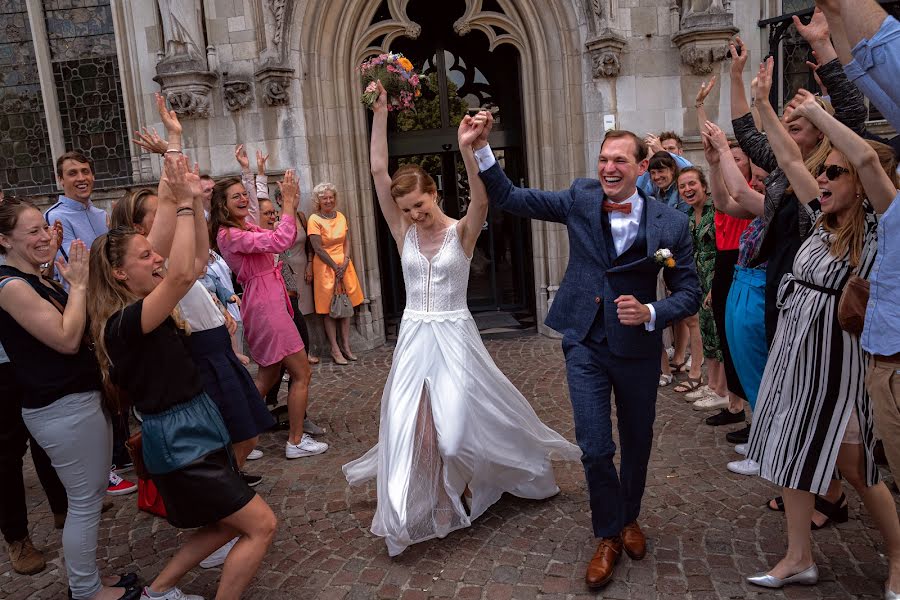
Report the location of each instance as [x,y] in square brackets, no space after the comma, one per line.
[118,486]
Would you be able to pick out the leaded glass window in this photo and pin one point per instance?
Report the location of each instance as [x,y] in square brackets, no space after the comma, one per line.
[86,74]
[26,162]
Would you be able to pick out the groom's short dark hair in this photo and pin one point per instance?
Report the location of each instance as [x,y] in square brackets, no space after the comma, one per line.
[640,146]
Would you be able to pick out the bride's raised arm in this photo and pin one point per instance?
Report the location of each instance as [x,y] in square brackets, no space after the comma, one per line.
[470,225]
[378,157]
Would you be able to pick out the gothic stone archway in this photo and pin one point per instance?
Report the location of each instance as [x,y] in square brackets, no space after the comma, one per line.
[332,38]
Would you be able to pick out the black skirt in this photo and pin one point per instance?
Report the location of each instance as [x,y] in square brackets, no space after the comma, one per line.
[229,384]
[204,491]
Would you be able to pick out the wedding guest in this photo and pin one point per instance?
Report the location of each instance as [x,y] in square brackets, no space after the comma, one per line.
[42,331]
[82,220]
[185,442]
[270,331]
[223,376]
[824,411]
[868,40]
[14,441]
[329,235]
[694,190]
[785,225]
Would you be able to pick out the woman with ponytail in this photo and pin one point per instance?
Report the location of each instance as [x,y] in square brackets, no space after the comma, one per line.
[143,350]
[43,330]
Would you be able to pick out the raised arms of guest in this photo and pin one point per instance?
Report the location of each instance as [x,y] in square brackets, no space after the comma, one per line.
[786,150]
[879,187]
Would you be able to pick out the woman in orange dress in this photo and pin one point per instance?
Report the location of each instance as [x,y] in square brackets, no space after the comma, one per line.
[329,235]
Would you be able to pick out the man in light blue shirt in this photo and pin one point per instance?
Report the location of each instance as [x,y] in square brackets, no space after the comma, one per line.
[81,220]
[881,335]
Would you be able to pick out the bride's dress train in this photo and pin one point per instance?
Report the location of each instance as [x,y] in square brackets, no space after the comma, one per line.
[450,419]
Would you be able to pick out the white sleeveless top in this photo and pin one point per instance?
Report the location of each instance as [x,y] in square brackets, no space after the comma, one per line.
[438,286]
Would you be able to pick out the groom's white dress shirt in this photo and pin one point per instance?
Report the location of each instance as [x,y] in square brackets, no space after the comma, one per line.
[624,227]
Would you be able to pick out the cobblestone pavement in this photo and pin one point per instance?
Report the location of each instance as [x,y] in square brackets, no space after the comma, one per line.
[707,528]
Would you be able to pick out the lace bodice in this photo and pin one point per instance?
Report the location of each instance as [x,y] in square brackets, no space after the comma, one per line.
[438,285]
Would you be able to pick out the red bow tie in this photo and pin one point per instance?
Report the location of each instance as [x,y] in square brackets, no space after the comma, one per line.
[622,207]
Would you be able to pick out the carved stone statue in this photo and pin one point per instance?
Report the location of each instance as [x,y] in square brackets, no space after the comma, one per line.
[705,29]
[182,32]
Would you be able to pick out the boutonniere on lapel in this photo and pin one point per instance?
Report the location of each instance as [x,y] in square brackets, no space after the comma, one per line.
[664,258]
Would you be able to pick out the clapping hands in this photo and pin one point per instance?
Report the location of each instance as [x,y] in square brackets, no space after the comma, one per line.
[75,270]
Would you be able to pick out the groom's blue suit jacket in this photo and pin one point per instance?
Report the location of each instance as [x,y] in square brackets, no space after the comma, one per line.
[595,276]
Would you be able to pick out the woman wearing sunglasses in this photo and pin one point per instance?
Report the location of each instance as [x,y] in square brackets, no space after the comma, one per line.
[813,413]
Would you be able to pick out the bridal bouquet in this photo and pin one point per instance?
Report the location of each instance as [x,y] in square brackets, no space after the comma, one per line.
[396,75]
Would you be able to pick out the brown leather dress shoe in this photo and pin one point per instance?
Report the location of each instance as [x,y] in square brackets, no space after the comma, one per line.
[600,569]
[634,541]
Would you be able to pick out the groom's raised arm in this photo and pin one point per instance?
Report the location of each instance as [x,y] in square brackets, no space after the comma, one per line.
[525,202]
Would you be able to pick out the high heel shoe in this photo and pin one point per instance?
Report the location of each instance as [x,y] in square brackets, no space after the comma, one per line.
[808,576]
[339,358]
[348,355]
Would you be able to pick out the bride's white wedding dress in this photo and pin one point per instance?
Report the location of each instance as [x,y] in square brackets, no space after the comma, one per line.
[449,418]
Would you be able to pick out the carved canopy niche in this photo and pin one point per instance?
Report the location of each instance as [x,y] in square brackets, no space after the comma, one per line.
[705,27]
[606,42]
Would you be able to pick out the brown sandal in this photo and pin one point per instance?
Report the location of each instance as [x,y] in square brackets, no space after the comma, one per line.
[688,385]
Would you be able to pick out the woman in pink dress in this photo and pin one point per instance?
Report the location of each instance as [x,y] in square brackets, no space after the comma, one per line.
[268,325]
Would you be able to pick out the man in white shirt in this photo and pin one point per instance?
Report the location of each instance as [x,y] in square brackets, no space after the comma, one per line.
[606,309]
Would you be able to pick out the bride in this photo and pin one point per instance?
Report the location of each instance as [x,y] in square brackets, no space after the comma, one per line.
[455,433]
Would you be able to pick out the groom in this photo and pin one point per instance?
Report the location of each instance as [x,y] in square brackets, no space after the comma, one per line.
[611,323]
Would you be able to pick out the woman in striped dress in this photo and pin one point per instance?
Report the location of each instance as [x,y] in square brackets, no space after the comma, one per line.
[813,413]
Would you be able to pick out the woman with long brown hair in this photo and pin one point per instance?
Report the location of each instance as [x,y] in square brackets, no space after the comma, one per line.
[271,335]
[142,350]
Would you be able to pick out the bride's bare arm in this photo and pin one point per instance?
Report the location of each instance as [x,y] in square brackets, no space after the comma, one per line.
[470,225]
[378,157]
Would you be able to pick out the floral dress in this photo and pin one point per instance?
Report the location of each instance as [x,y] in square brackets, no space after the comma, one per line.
[704,237]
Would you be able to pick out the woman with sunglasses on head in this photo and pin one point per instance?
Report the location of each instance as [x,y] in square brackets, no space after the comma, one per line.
[813,413]
[42,329]
[266,310]
[143,351]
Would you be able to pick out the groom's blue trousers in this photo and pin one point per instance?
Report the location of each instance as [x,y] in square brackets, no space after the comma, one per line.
[594,374]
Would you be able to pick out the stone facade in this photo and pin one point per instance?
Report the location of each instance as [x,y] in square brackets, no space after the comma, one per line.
[277,75]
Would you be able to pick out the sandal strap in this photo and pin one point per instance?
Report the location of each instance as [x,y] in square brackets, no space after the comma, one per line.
[830,509]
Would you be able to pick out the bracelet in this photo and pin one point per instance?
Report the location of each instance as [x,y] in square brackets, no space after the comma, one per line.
[173,151]
[184,210]
[698,105]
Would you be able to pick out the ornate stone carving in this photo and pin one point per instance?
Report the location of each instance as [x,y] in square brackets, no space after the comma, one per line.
[705,29]
[388,30]
[275,83]
[188,91]
[605,51]
[485,21]
[238,93]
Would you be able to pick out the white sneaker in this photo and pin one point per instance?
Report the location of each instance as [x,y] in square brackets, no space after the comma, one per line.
[255,454]
[711,402]
[741,449]
[744,467]
[218,557]
[701,392]
[173,594]
[306,447]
